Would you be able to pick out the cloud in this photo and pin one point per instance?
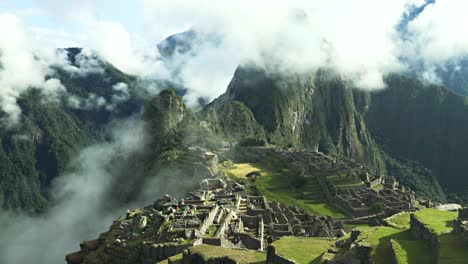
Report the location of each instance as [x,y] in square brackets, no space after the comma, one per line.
[19,69]
[95,102]
[79,211]
[357,38]
[115,44]
[435,32]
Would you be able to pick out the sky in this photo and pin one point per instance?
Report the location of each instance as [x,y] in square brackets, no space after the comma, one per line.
[363,39]
[55,23]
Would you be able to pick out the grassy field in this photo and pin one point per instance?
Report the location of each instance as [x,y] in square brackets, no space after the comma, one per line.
[413,252]
[238,255]
[452,249]
[303,250]
[276,187]
[439,221]
[400,221]
[379,238]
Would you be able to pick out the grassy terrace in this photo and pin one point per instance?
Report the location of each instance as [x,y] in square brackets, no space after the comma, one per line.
[303,250]
[439,221]
[413,252]
[379,239]
[401,221]
[275,185]
[240,256]
[410,250]
[452,249]
[177,259]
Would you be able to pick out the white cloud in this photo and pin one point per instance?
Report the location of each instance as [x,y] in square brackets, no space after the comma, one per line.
[20,69]
[355,37]
[438,34]
[114,43]
[80,210]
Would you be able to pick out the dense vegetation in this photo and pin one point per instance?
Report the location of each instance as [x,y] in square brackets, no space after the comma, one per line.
[425,123]
[322,111]
[412,130]
[50,132]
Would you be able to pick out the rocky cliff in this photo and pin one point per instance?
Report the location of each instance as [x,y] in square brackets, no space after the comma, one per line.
[323,111]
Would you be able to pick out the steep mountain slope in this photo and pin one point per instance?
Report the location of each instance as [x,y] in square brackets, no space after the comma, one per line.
[323,111]
[314,111]
[52,130]
[174,156]
[423,122]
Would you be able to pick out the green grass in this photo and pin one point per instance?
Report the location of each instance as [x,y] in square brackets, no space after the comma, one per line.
[452,249]
[413,252]
[177,259]
[379,239]
[303,250]
[212,231]
[275,186]
[352,226]
[438,220]
[238,255]
[400,221]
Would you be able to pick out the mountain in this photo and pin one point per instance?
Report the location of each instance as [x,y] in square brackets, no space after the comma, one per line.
[412,129]
[171,156]
[423,122]
[407,130]
[52,131]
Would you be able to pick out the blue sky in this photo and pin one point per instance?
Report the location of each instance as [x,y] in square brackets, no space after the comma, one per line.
[58,16]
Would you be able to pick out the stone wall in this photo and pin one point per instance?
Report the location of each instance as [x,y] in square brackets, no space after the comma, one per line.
[422,231]
[460,225]
[225,224]
[273,257]
[265,213]
[193,258]
[460,229]
[394,255]
[208,220]
[157,252]
[363,253]
[249,241]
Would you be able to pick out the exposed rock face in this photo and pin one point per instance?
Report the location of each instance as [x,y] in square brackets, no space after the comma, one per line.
[233,120]
[323,111]
[167,116]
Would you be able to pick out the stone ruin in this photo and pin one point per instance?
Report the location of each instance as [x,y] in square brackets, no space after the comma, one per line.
[220,213]
[349,185]
[394,198]
[460,225]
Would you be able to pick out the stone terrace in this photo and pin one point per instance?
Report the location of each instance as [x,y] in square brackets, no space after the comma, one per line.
[460,225]
[219,213]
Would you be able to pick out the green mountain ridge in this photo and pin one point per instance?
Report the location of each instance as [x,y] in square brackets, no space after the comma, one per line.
[325,112]
[411,129]
[50,133]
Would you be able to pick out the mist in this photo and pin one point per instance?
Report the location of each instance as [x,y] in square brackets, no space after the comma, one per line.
[79,210]
[359,39]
